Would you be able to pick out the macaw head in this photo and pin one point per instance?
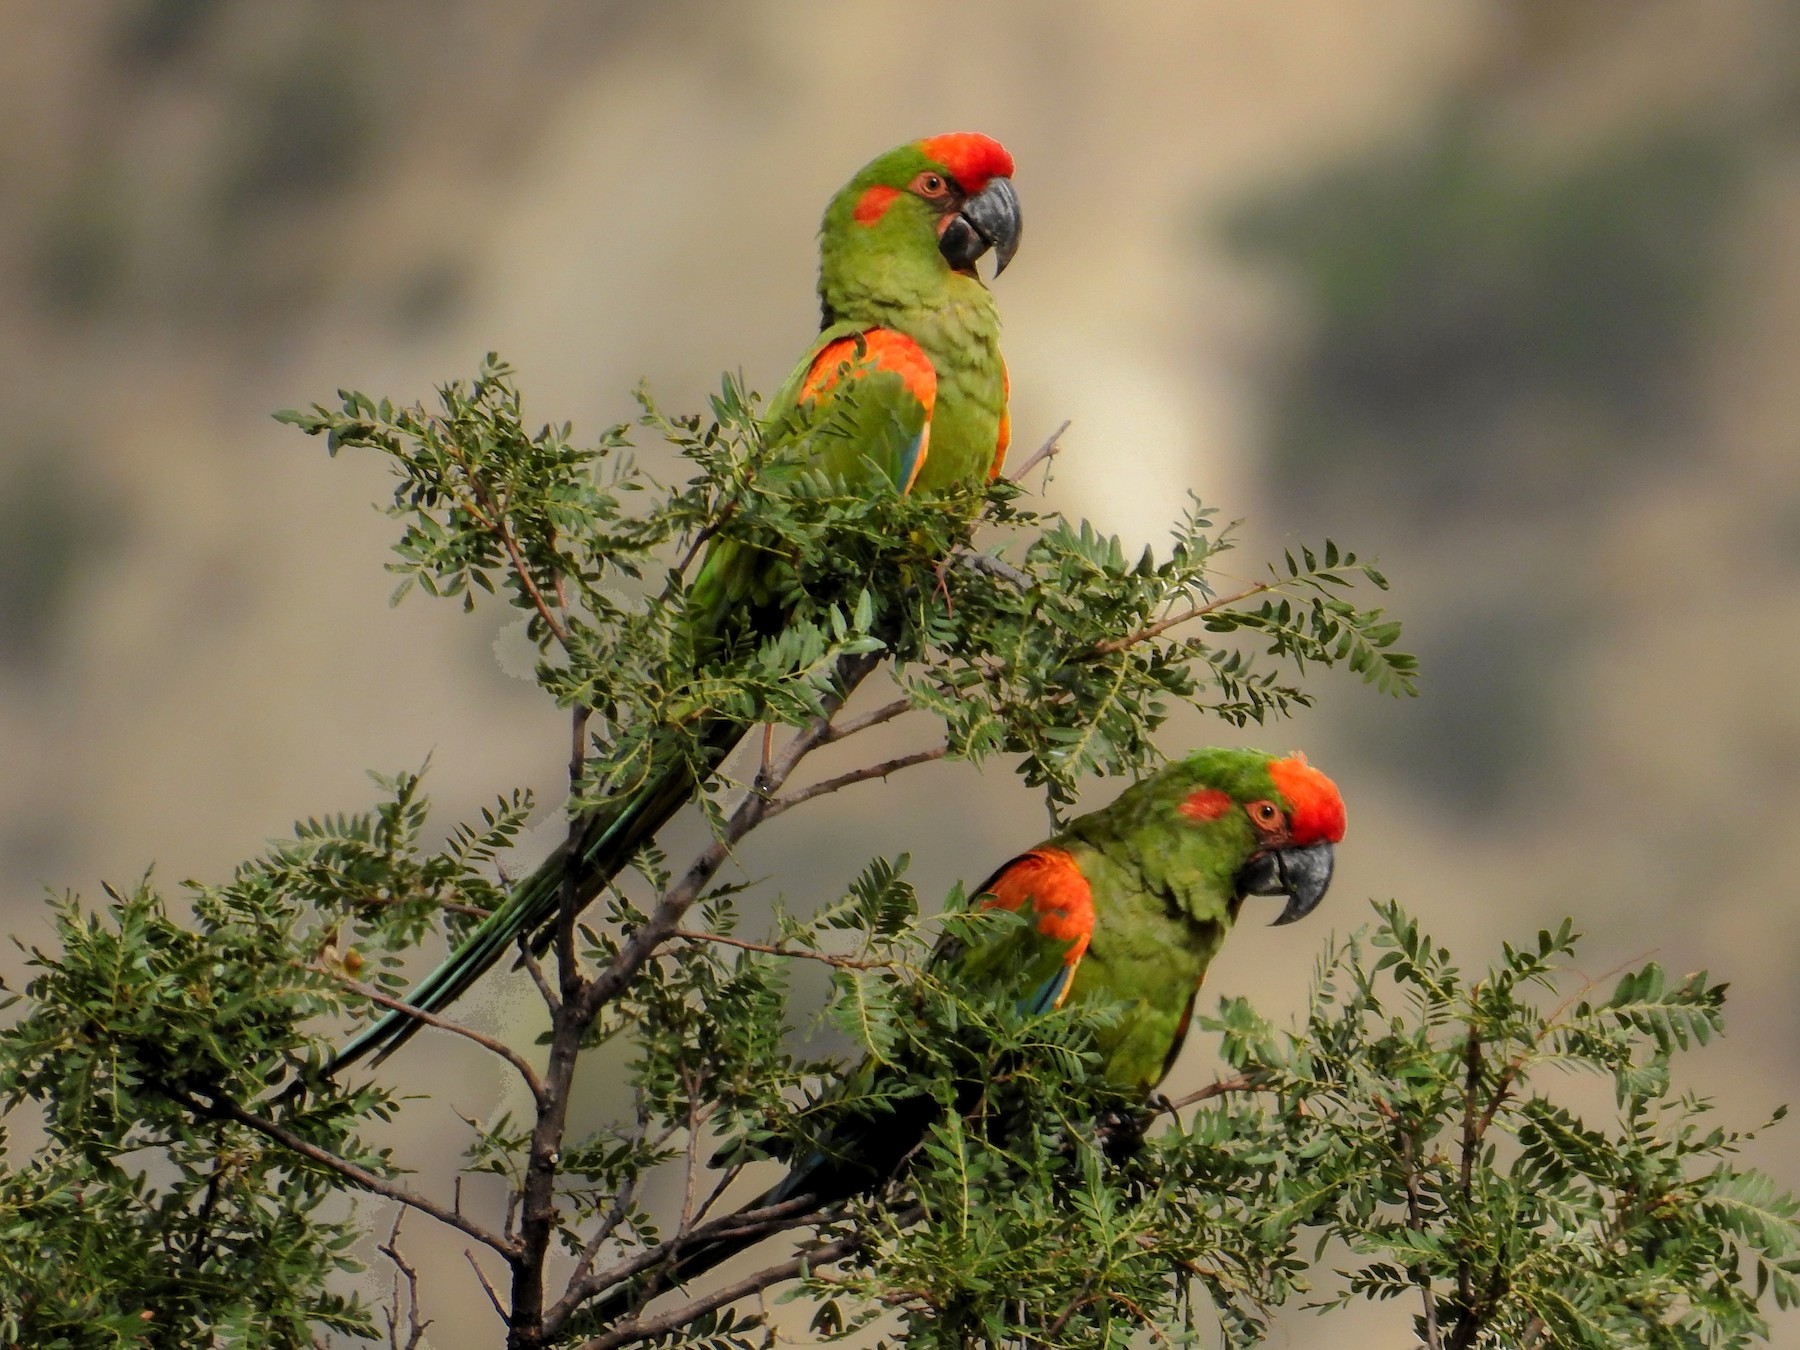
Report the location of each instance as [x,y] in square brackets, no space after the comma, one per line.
[1260,824]
[934,205]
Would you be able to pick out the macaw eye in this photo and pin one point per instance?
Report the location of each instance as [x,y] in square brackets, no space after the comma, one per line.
[930,184]
[1266,814]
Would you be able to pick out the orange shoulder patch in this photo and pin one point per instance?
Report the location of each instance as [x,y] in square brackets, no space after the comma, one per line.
[874,349]
[1060,897]
[1005,438]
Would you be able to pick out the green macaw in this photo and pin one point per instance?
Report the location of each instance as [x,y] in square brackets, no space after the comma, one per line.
[1132,903]
[910,328]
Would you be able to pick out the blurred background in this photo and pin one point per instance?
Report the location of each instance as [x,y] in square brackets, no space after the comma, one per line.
[1505,294]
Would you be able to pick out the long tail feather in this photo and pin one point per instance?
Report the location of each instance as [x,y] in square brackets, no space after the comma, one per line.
[610,840]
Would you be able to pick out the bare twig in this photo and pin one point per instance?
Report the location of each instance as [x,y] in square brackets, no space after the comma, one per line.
[849,726]
[218,1105]
[438,1020]
[1043,454]
[608,1225]
[779,804]
[486,1284]
[415,1328]
[535,969]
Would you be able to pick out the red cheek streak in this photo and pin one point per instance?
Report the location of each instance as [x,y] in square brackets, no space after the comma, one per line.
[1315,810]
[873,204]
[970,157]
[1060,897]
[1206,804]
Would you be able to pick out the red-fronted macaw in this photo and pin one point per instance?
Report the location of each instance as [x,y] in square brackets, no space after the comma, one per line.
[1131,903]
[909,327]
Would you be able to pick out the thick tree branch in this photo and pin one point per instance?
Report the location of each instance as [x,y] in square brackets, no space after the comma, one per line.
[537,1194]
[1415,1220]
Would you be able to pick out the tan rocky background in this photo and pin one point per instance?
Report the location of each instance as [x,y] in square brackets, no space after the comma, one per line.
[1507,294]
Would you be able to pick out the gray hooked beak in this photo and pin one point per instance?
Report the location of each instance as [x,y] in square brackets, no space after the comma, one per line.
[989,219]
[1301,874]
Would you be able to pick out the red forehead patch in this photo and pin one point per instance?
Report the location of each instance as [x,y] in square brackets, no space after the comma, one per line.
[971,158]
[1315,811]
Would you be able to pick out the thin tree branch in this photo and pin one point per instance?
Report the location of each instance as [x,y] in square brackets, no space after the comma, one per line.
[691,1160]
[799,953]
[486,1284]
[535,969]
[1043,454]
[779,804]
[438,1020]
[887,712]
[568,973]
[415,1327]
[642,1328]
[1161,626]
[794,1212]
[217,1105]
[1469,1324]
[1415,1220]
[994,567]
[1255,1081]
[489,514]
